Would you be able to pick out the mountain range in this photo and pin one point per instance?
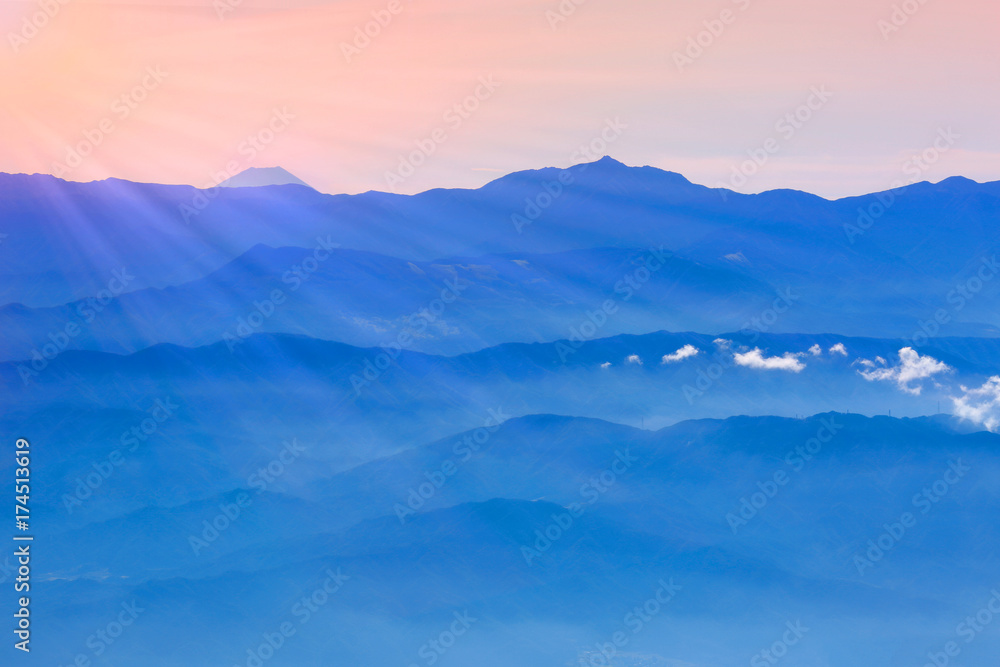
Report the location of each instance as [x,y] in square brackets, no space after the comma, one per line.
[598,415]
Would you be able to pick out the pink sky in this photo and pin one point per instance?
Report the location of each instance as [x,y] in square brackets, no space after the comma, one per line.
[558,87]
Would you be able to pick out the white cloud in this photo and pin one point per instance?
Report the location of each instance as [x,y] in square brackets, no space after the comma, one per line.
[606,364]
[756,359]
[839,349]
[723,343]
[633,359]
[681,354]
[816,351]
[982,405]
[912,368]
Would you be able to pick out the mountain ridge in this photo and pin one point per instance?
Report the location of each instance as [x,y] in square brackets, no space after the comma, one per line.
[605,161]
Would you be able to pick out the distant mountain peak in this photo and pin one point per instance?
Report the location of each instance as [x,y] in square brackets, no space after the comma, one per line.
[958,182]
[602,174]
[258,176]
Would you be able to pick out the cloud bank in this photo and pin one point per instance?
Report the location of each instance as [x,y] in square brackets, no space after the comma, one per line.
[680,355]
[981,405]
[912,368]
[756,359]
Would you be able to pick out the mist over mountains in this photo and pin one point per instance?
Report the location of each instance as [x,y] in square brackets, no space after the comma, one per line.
[533,533]
[918,243]
[588,416]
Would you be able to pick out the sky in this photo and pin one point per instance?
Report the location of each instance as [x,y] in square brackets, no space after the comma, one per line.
[834,97]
